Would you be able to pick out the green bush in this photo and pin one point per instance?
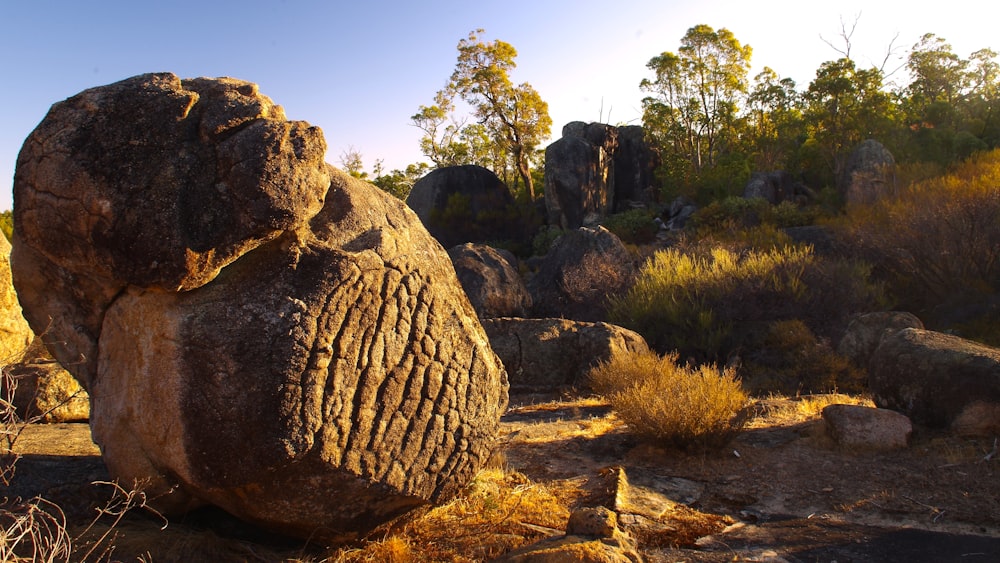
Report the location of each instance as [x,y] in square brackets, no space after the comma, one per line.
[690,408]
[790,359]
[7,224]
[732,215]
[709,305]
[543,240]
[635,226]
[686,302]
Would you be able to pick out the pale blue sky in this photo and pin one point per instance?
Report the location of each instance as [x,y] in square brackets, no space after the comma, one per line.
[359,69]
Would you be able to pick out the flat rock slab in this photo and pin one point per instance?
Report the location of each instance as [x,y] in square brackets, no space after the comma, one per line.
[803,540]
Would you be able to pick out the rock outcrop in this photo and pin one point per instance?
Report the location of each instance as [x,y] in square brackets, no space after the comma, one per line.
[635,163]
[46,392]
[490,279]
[938,380]
[865,333]
[543,355]
[460,204]
[257,330]
[595,169]
[776,187]
[869,175]
[582,270]
[15,334]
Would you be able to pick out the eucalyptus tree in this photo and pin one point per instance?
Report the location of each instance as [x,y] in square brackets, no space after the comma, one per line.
[774,119]
[844,106]
[695,96]
[512,119]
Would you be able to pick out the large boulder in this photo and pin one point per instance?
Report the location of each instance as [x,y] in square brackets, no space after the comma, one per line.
[460,204]
[543,355]
[635,163]
[491,280]
[869,174]
[596,169]
[865,332]
[15,334]
[938,380]
[581,272]
[577,191]
[257,330]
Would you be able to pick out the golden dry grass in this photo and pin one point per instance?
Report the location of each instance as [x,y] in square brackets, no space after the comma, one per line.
[794,410]
[501,511]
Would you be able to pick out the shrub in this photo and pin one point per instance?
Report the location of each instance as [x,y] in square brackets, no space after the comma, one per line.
[686,302]
[543,240]
[635,226]
[938,242]
[710,304]
[790,359]
[659,399]
[732,215]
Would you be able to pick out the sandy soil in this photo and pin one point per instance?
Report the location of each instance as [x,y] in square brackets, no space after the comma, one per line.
[781,491]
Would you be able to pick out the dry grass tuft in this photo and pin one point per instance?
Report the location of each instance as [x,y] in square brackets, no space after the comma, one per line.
[795,410]
[499,512]
[685,527]
[683,406]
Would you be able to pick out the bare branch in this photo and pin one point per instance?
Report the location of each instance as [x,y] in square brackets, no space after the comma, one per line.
[845,35]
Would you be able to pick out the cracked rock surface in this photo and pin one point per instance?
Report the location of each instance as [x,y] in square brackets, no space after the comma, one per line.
[256,329]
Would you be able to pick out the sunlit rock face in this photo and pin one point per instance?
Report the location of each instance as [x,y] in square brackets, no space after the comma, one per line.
[257,330]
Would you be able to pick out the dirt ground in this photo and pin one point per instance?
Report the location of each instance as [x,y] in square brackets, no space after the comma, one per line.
[781,491]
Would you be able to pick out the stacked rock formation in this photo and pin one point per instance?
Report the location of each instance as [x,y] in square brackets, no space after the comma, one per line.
[256,329]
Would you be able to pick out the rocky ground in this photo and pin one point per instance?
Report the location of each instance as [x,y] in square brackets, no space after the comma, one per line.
[782,491]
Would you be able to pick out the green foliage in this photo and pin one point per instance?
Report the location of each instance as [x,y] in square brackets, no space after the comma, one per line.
[938,242]
[846,105]
[510,120]
[512,226]
[635,226]
[690,408]
[400,182]
[732,216]
[790,359]
[7,224]
[709,304]
[701,110]
[544,238]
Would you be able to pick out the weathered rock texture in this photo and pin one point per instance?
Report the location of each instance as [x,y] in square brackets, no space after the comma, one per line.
[257,330]
[595,169]
[15,334]
[490,279]
[938,380]
[856,426]
[865,333]
[582,270]
[869,174]
[46,392]
[553,354]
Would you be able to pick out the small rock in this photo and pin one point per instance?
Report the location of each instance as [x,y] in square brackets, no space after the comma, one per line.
[856,426]
[489,277]
[598,522]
